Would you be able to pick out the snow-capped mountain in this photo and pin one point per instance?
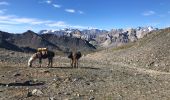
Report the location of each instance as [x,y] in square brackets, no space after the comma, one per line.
[121,36]
[104,37]
[142,31]
[57,32]
[84,34]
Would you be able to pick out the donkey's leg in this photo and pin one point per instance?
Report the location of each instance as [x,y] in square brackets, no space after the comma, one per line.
[72,63]
[76,63]
[40,61]
[50,62]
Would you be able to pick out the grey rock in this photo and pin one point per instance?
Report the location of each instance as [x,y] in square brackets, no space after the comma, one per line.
[37,92]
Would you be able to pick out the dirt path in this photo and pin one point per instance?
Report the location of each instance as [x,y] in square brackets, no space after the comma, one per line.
[140,70]
[126,66]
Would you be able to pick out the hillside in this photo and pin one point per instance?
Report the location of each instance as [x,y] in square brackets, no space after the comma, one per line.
[151,52]
[68,44]
[29,41]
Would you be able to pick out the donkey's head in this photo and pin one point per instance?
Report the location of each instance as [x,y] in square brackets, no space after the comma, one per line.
[32,58]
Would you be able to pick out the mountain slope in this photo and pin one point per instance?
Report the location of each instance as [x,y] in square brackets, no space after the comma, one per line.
[33,40]
[30,41]
[8,46]
[67,43]
[151,52]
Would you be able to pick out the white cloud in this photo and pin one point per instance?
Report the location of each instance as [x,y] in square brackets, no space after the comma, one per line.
[148,13]
[6,17]
[74,11]
[62,24]
[4,3]
[22,23]
[2,11]
[81,12]
[70,10]
[48,1]
[56,6]
[57,24]
[28,21]
[11,19]
[4,25]
[8,22]
[24,20]
[78,26]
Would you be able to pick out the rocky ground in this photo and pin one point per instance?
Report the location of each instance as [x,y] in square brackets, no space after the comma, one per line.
[97,78]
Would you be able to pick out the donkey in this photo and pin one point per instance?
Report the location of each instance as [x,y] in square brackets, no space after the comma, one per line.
[42,55]
[74,56]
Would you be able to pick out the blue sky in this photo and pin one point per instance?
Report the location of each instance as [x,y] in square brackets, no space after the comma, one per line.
[23,15]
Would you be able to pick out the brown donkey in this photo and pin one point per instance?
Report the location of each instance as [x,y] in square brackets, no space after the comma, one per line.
[42,55]
[74,56]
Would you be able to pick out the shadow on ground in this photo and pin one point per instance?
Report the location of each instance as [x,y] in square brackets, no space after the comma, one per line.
[68,68]
[26,83]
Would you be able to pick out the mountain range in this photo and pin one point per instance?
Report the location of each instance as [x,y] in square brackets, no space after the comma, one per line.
[66,40]
[103,38]
[29,41]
